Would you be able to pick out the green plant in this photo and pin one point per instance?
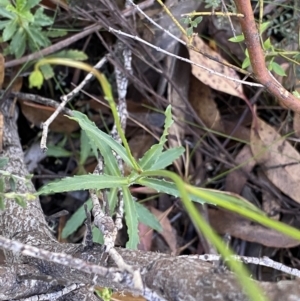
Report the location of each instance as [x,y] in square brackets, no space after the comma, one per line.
[105,294]
[59,151]
[22,26]
[270,52]
[10,179]
[193,23]
[149,171]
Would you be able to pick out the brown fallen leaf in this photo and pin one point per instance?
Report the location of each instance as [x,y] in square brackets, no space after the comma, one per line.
[236,180]
[202,100]
[168,233]
[37,114]
[278,158]
[145,235]
[216,82]
[226,222]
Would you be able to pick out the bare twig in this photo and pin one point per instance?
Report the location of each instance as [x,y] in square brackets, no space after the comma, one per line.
[62,44]
[41,100]
[78,88]
[264,261]
[138,7]
[54,296]
[119,32]
[65,99]
[53,48]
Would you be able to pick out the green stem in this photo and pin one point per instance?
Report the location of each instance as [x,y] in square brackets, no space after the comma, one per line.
[253,291]
[263,220]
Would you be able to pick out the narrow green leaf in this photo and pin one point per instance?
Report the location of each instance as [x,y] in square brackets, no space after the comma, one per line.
[6,14]
[131,218]
[296,94]
[12,183]
[55,33]
[189,31]
[9,30]
[264,26]
[278,69]
[18,43]
[1,185]
[31,3]
[37,38]
[112,199]
[170,188]
[147,218]
[151,156]
[2,207]
[267,44]
[198,20]
[83,182]
[97,236]
[76,220]
[246,63]
[3,161]
[101,139]
[3,24]
[57,152]
[160,186]
[47,71]
[185,20]
[72,54]
[85,147]
[237,39]
[167,158]
[4,2]
[20,201]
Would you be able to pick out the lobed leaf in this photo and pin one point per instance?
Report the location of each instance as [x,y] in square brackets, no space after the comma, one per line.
[9,30]
[18,43]
[40,19]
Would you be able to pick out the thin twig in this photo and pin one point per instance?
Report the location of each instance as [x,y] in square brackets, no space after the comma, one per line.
[56,295]
[190,46]
[119,32]
[65,99]
[53,48]
[264,261]
[78,88]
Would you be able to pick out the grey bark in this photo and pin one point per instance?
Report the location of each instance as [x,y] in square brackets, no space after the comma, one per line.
[172,277]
